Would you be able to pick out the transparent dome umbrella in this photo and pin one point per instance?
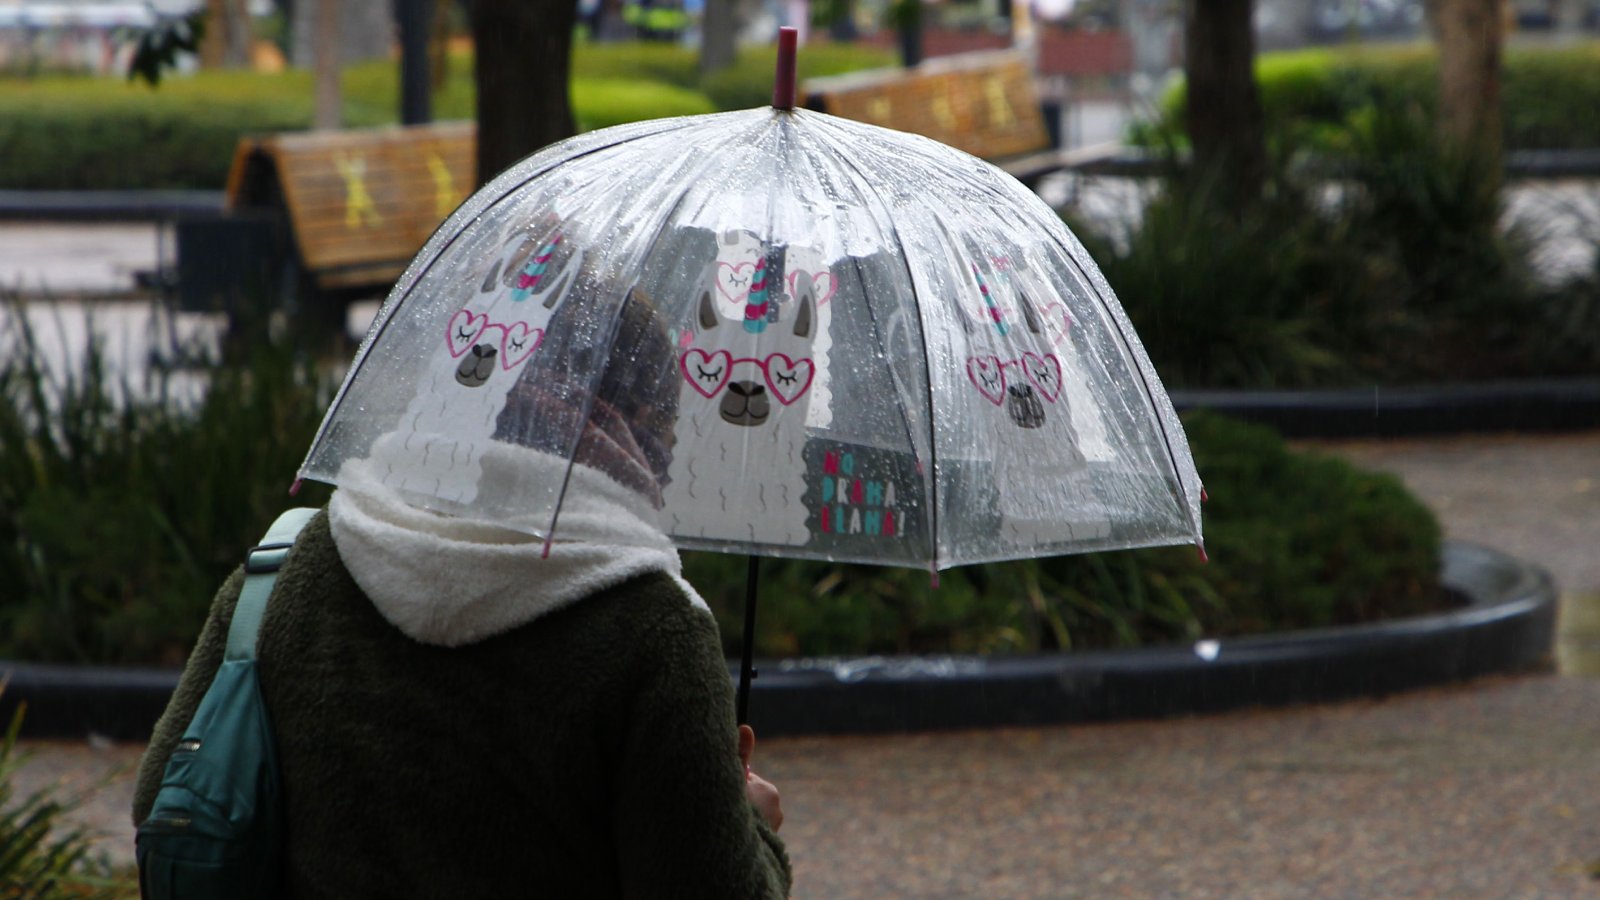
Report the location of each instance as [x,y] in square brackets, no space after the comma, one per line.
[774,332]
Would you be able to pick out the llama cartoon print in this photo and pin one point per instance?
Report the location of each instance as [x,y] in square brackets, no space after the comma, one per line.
[748,367]
[1022,370]
[480,351]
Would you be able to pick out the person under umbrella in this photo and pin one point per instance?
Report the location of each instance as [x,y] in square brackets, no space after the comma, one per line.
[464,710]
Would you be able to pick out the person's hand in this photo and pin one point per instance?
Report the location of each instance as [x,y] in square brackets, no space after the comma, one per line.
[761,792]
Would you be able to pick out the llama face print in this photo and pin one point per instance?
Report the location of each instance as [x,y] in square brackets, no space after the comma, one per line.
[748,373]
[1018,372]
[483,346]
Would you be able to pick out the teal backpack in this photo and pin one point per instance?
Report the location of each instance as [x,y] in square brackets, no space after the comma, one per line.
[216,829]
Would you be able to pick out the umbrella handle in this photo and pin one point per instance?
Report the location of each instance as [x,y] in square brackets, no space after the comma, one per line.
[747,672]
[783,86]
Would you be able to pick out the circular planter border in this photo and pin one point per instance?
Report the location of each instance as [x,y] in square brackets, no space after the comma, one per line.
[1508,625]
[1532,405]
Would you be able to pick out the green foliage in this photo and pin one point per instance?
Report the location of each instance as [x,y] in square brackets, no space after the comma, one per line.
[1301,537]
[121,513]
[1296,540]
[64,133]
[157,48]
[602,103]
[748,82]
[745,84]
[40,857]
[1547,93]
[119,516]
[1220,301]
[1376,254]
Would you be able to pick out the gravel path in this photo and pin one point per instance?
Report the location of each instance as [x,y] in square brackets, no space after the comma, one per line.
[1480,790]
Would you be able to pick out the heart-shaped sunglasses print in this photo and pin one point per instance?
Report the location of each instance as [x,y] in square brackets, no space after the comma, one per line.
[1045,373]
[823,287]
[988,375]
[787,378]
[517,340]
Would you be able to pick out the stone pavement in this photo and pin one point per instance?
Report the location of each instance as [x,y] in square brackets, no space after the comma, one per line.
[1487,789]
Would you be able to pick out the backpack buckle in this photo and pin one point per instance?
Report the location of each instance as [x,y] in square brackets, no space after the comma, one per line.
[265,557]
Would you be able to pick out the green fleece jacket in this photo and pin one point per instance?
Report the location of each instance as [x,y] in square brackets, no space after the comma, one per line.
[588,753]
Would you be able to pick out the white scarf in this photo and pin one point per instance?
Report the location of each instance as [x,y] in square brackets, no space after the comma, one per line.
[452,581]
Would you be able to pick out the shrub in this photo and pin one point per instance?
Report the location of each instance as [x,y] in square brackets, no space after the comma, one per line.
[1547,92]
[119,516]
[1393,263]
[1296,540]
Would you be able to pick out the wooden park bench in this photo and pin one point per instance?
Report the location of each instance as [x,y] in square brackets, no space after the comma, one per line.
[982,102]
[358,203]
[317,219]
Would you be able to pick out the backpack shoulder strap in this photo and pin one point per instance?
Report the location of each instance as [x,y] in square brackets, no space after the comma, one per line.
[261,565]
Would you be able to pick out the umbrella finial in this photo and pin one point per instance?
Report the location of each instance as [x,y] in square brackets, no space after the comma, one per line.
[783,87]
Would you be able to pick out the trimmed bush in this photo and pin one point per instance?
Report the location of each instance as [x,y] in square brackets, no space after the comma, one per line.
[78,133]
[1548,94]
[1296,540]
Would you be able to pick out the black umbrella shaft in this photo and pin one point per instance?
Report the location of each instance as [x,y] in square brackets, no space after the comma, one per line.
[747,660]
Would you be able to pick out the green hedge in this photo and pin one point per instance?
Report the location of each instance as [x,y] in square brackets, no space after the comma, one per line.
[65,133]
[1296,540]
[1548,94]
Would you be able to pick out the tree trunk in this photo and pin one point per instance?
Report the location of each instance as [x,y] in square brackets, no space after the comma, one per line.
[1223,107]
[329,109]
[1469,34]
[228,35]
[524,57]
[718,28]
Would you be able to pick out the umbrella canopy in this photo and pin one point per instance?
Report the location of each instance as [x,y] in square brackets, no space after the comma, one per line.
[785,334]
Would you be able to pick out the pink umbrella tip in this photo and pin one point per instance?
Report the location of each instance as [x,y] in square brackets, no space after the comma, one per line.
[783,87]
[294,488]
[1204,557]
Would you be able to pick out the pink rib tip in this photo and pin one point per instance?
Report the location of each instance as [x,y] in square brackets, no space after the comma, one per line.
[294,489]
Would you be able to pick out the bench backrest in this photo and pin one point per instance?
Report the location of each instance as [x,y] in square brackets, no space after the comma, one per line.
[983,102]
[360,203]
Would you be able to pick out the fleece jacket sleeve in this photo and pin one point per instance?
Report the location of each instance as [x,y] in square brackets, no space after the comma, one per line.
[197,675]
[684,825]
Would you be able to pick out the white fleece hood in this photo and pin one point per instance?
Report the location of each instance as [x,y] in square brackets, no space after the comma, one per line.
[450,581]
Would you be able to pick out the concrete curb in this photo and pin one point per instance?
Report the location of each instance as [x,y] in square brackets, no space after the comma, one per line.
[1533,405]
[1507,626]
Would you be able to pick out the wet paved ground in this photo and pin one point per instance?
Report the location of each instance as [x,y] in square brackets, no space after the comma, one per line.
[1487,789]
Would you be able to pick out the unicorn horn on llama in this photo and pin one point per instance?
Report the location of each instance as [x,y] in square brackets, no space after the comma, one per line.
[760,301]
